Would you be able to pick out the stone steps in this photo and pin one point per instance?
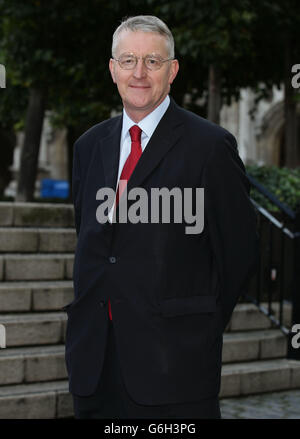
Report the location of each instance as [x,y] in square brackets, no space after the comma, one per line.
[38,328]
[36,215]
[253,345]
[35,296]
[53,400]
[33,329]
[37,240]
[46,363]
[32,364]
[36,401]
[38,295]
[37,243]
[247,317]
[54,266]
[259,377]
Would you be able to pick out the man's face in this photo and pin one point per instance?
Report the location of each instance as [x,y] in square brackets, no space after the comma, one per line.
[142,90]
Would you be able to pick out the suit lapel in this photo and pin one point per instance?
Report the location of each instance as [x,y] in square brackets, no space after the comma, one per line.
[167,133]
[110,153]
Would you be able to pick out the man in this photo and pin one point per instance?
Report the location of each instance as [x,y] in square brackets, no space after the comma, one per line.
[144,334]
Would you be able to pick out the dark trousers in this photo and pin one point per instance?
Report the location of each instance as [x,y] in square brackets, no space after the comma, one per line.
[111,399]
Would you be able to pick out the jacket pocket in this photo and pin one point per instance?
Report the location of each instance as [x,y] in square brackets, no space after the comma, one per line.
[178,306]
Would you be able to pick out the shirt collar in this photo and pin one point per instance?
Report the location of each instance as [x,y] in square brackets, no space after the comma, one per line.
[149,123]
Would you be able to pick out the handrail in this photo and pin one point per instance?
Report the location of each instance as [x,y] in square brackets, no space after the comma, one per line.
[283,207]
[279,242]
[275,221]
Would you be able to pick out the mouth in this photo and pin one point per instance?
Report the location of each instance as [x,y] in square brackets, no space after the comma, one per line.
[140,86]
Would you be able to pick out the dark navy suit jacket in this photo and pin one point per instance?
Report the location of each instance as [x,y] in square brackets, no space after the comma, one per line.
[172,293]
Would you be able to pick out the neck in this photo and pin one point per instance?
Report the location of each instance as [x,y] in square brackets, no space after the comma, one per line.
[136,115]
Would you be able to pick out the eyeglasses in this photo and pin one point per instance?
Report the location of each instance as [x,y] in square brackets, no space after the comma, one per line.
[152,62]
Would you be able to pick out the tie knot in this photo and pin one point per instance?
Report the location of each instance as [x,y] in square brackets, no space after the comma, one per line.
[135,133]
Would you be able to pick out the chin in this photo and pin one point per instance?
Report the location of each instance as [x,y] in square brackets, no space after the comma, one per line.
[139,104]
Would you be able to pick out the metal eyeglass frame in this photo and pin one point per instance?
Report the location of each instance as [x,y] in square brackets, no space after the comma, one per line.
[136,58]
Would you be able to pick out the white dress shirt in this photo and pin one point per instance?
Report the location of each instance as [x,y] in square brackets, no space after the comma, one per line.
[147,125]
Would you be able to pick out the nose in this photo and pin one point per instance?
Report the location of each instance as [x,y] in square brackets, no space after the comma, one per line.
[140,70]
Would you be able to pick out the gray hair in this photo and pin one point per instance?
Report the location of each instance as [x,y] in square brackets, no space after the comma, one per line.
[145,23]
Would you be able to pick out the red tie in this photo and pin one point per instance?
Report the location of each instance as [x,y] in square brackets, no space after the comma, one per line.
[132,159]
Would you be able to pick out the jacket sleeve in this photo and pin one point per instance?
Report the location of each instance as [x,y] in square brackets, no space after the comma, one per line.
[76,187]
[232,222]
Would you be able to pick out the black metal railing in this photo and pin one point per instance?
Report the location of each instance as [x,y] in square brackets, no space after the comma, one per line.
[275,289]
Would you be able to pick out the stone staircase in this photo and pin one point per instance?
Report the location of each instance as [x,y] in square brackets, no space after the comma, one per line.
[37,243]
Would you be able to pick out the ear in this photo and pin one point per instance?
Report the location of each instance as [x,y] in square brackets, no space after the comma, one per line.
[173,70]
[111,68]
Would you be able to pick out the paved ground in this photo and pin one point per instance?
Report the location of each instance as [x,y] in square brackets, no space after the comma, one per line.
[277,405]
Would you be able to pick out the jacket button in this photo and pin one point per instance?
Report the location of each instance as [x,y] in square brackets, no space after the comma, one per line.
[112,259]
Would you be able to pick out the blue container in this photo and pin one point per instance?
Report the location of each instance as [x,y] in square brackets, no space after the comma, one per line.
[54,188]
